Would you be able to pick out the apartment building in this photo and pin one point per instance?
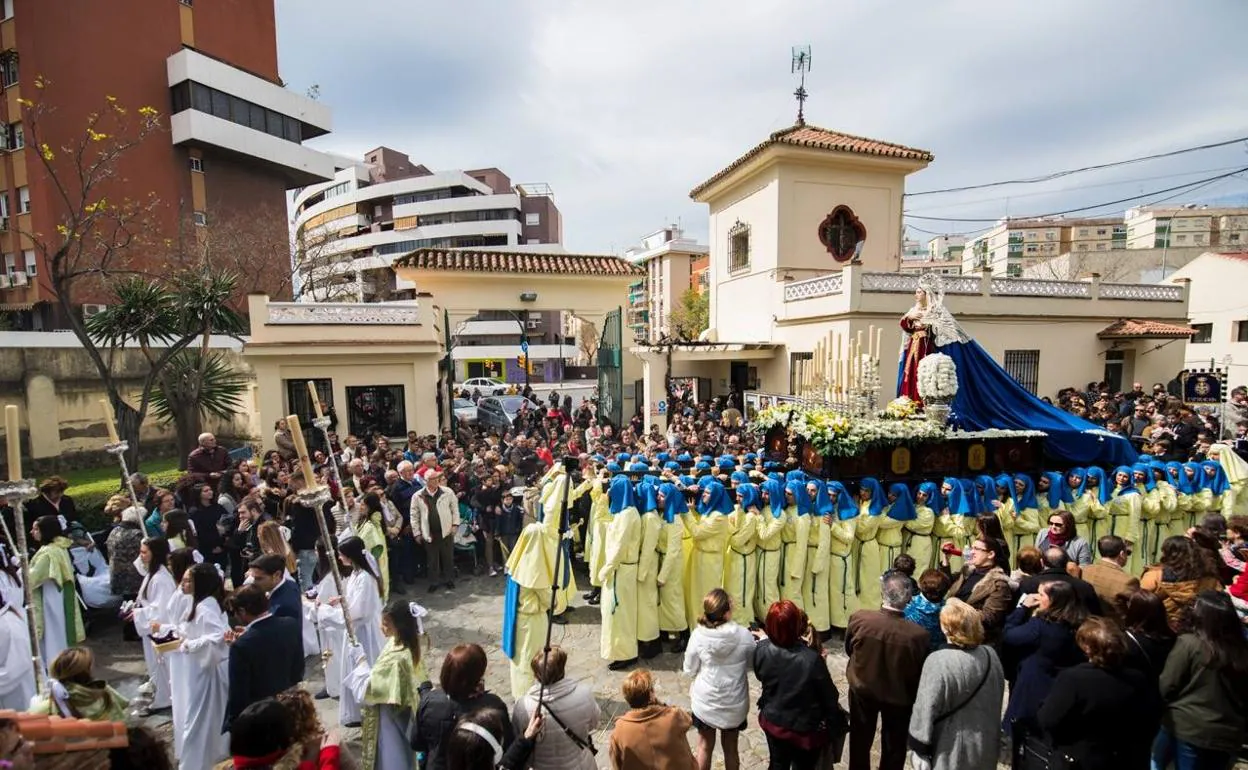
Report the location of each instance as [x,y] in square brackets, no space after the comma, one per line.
[349,230]
[1188,226]
[231,147]
[1015,245]
[673,265]
[946,248]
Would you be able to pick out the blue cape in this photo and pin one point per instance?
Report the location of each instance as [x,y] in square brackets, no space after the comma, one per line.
[1059,491]
[801,498]
[988,397]
[1218,484]
[844,504]
[1027,498]
[822,503]
[1104,489]
[775,496]
[902,508]
[876,506]
[647,496]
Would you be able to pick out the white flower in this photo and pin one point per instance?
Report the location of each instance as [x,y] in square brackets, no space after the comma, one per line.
[938,378]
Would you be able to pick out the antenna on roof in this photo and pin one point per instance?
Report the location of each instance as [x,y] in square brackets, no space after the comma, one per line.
[800,66]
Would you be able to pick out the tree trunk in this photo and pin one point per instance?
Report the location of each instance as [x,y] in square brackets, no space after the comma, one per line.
[128,430]
[187,425]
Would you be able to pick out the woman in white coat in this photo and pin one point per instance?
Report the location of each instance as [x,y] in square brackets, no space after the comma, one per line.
[718,657]
[199,671]
[148,615]
[17,672]
[363,598]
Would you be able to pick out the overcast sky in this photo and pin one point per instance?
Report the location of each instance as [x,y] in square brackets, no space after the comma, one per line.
[623,107]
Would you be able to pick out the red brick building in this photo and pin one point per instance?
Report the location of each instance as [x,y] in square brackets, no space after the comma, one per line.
[228,149]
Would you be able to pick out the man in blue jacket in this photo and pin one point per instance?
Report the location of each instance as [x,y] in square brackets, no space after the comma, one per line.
[266,652]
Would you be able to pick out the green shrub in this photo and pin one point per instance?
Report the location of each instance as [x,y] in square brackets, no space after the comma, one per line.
[91,488]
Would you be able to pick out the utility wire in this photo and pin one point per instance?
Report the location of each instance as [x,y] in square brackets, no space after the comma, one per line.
[1197,183]
[1082,169]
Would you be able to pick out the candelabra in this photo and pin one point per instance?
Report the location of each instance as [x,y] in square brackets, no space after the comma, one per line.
[17,492]
[118,449]
[315,498]
[322,424]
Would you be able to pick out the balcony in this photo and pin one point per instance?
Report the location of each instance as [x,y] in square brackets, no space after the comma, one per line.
[219,106]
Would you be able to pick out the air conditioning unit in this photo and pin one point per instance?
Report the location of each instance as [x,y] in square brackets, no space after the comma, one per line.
[19,279]
[5,282]
[533,324]
[90,310]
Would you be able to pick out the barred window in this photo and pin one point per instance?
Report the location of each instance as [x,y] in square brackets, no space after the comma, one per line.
[1024,366]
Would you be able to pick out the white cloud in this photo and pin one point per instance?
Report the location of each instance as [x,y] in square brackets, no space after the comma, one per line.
[623,107]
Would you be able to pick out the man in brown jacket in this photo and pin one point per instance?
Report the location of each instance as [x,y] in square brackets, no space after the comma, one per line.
[650,735]
[985,586]
[1107,576]
[886,654]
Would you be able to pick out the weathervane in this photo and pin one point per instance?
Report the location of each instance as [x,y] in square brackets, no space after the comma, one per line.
[801,64]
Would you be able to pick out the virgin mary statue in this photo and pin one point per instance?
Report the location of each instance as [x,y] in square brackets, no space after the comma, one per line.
[988,396]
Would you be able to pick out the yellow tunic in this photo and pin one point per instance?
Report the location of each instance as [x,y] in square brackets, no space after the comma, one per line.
[741,566]
[1005,515]
[599,520]
[531,565]
[770,557]
[706,568]
[1150,513]
[672,579]
[1124,521]
[373,533]
[1026,525]
[815,586]
[795,534]
[648,578]
[868,572]
[889,538]
[919,542]
[843,602]
[1182,514]
[1083,527]
[619,586]
[948,531]
[1098,515]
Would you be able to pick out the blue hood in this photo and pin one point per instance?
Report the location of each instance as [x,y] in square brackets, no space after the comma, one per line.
[1027,498]
[1104,488]
[775,496]
[718,502]
[822,502]
[647,494]
[876,506]
[620,494]
[1130,488]
[902,508]
[1059,491]
[748,496]
[801,498]
[673,502]
[1218,484]
[844,503]
[934,499]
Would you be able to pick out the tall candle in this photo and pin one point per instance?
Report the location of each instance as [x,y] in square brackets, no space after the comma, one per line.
[13,442]
[871,341]
[108,421]
[879,342]
[316,399]
[305,462]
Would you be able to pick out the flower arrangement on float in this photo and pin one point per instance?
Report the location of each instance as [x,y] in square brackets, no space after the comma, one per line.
[938,379]
[901,408]
[834,434]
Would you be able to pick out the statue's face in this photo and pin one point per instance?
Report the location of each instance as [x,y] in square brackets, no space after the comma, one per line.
[920,298]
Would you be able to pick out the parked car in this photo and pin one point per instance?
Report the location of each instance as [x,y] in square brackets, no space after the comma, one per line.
[501,411]
[487,385]
[465,411]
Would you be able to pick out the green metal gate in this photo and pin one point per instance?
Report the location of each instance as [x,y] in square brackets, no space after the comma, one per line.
[610,370]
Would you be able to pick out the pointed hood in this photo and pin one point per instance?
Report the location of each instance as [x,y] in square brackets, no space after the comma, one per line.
[902,508]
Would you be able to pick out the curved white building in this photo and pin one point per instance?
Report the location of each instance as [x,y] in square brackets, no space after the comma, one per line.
[348,231]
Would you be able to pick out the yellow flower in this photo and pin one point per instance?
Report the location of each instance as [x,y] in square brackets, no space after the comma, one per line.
[96,136]
[46,152]
[148,112]
[63,230]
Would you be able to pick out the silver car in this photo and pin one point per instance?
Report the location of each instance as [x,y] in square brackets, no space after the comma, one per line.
[500,411]
[465,411]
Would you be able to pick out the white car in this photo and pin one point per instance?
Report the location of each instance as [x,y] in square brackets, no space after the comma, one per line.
[487,385]
[465,411]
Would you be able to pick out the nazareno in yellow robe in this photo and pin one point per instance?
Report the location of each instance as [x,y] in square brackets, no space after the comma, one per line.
[741,564]
[815,588]
[648,577]
[843,602]
[868,570]
[596,537]
[770,553]
[705,570]
[795,535]
[619,584]
[671,579]
[1124,521]
[920,542]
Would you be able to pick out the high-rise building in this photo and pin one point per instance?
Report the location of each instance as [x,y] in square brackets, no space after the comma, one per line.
[673,264]
[350,229]
[231,148]
[1189,225]
[1017,244]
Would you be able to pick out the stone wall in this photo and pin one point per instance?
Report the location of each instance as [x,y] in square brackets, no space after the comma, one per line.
[58,390]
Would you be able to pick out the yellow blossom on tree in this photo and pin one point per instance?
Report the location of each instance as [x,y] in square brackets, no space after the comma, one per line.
[63,230]
[96,136]
[46,152]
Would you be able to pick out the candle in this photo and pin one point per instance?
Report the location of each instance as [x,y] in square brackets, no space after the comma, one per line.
[316,399]
[13,442]
[108,421]
[879,342]
[871,342]
[858,345]
[305,462]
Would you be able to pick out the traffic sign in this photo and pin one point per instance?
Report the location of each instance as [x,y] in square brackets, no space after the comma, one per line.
[662,407]
[524,346]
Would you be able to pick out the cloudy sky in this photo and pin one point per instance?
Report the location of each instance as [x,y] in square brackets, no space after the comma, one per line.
[623,107]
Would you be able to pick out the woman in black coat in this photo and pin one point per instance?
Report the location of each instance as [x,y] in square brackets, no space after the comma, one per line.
[1103,714]
[1044,645]
[1149,637]
[206,513]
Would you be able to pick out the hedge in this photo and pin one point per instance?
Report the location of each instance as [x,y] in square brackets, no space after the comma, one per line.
[91,488]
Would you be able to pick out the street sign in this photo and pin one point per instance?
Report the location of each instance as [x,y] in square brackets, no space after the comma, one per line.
[662,407]
[524,346]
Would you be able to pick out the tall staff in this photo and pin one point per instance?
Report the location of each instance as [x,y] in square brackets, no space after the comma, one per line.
[117,448]
[315,496]
[18,490]
[322,423]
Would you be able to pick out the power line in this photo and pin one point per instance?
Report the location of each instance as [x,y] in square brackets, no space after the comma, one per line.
[1197,183]
[1082,169]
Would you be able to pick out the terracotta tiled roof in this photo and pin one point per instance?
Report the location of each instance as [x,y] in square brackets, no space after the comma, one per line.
[54,735]
[1125,328]
[805,135]
[518,262]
